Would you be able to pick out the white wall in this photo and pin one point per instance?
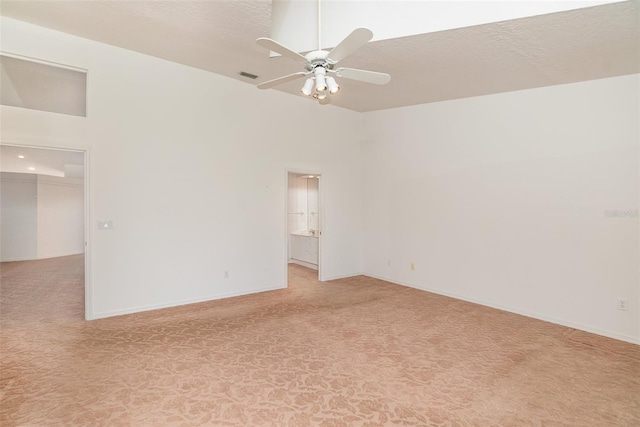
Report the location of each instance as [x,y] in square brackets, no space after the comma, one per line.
[18,217]
[189,166]
[498,199]
[42,217]
[60,216]
[502,200]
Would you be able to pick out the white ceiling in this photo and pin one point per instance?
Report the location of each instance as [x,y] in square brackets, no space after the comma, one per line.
[219,36]
[42,161]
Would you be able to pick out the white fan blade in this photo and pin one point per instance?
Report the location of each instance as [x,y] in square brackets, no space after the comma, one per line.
[280,80]
[364,76]
[282,50]
[354,41]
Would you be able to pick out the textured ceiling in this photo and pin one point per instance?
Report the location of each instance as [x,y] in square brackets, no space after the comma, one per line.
[219,36]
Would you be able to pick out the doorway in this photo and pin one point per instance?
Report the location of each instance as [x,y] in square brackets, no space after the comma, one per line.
[304,221]
[43,228]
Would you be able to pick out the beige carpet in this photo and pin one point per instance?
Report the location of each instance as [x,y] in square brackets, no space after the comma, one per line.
[356,352]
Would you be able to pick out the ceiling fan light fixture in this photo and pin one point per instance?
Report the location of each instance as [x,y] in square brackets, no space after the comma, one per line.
[332,85]
[321,84]
[319,62]
[307,89]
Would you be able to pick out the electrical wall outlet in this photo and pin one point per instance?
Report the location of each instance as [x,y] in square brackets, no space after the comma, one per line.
[412,266]
[623,304]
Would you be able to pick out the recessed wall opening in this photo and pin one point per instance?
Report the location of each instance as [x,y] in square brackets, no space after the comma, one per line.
[43,86]
[42,233]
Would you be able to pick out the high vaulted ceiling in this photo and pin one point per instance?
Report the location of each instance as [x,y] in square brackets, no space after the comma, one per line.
[219,36]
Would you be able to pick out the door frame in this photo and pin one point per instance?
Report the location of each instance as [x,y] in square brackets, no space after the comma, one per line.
[88,241]
[321,219]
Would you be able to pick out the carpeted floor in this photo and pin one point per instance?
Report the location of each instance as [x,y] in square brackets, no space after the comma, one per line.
[356,352]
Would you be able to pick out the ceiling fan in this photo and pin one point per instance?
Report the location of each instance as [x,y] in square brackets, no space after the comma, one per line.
[320,65]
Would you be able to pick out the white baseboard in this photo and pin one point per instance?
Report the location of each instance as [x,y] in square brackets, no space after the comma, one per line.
[37,258]
[140,309]
[534,315]
[303,263]
[345,276]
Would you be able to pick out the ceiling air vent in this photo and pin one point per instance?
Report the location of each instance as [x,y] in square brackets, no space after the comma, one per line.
[248,75]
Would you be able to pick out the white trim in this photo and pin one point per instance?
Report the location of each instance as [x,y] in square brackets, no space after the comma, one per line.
[20,259]
[304,264]
[141,309]
[321,273]
[88,241]
[526,313]
[344,276]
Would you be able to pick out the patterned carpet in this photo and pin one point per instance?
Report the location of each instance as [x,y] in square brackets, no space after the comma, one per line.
[352,352]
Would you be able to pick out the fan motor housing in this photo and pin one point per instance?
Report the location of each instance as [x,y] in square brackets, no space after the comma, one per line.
[318,58]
